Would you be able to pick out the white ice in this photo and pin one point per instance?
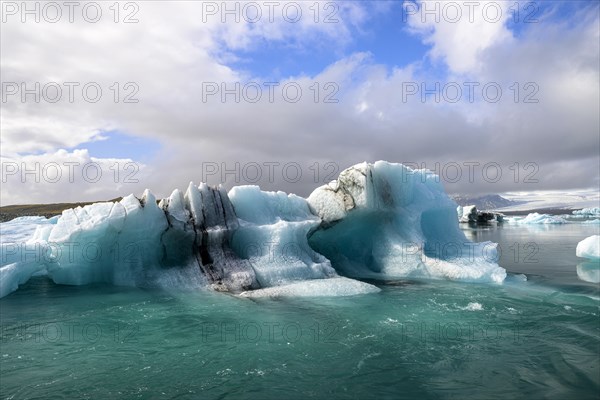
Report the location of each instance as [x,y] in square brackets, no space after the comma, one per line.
[588,212]
[535,218]
[21,229]
[338,286]
[21,249]
[273,236]
[589,248]
[469,214]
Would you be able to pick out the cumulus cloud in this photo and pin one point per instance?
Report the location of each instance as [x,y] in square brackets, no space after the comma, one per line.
[459,32]
[70,175]
[174,52]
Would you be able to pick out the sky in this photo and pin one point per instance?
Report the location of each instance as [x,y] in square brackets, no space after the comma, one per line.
[100,101]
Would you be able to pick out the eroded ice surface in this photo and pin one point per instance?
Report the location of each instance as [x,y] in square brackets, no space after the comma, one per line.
[273,236]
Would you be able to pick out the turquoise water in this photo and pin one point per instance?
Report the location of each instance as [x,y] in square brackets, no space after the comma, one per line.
[414,339]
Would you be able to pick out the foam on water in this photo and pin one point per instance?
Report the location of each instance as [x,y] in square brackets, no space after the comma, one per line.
[338,286]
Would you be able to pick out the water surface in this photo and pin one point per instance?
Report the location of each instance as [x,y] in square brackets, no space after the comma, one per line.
[414,339]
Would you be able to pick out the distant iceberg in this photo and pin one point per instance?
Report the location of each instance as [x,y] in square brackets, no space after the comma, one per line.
[588,212]
[377,220]
[470,214]
[535,218]
[592,221]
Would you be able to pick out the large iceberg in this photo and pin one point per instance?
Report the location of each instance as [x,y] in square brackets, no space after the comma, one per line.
[377,220]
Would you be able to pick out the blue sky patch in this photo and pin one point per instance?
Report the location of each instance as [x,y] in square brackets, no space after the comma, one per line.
[121,145]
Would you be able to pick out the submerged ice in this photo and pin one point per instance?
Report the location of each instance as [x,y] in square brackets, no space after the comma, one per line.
[377,220]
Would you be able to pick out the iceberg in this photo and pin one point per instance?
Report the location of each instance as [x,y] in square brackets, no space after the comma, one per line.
[589,248]
[592,221]
[535,218]
[588,212]
[470,214]
[378,220]
[385,221]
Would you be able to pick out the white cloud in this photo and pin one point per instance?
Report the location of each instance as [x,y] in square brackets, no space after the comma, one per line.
[460,32]
[171,52]
[69,175]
